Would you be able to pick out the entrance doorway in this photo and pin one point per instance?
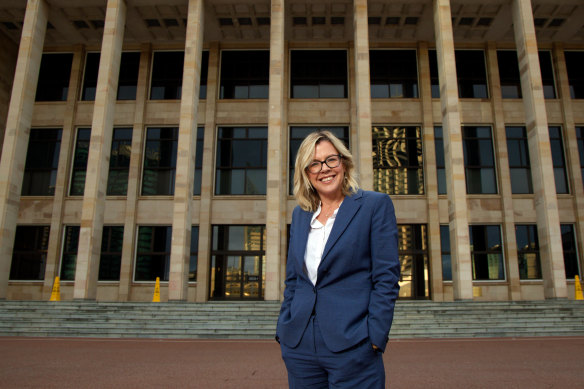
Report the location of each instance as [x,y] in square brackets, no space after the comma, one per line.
[413,257]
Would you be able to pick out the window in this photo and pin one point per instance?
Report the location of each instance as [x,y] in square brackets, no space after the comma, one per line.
[558,159]
[160,161]
[528,252]
[167,72]
[394,73]
[574,65]
[446,253]
[440,163]
[519,166]
[80,162]
[238,260]
[29,256]
[472,75]
[199,161]
[434,79]
[110,260]
[413,257]
[54,74]
[153,253]
[245,74]
[479,162]
[90,76]
[580,140]
[69,257]
[241,161]
[204,75]
[397,160]
[509,74]
[318,74]
[297,135]
[128,79]
[547,74]
[194,254]
[570,251]
[486,253]
[119,166]
[42,161]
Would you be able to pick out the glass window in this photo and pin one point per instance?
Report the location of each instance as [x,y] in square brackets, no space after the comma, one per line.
[558,159]
[479,161]
[199,161]
[54,74]
[42,161]
[241,161]
[394,73]
[153,253]
[69,257]
[574,65]
[194,254]
[90,76]
[167,73]
[528,252]
[413,257]
[160,161]
[486,253]
[472,74]
[318,74]
[397,160]
[119,166]
[519,165]
[297,135]
[204,75]
[547,74]
[127,81]
[434,78]
[80,162]
[580,139]
[446,254]
[110,262]
[570,251]
[245,74]
[29,256]
[440,163]
[509,74]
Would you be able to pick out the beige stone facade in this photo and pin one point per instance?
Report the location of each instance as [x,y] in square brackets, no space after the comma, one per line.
[443,27]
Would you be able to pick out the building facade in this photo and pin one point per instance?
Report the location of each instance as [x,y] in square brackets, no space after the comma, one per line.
[150,139]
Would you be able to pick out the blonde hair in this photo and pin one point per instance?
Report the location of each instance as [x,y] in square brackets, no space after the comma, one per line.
[305,194]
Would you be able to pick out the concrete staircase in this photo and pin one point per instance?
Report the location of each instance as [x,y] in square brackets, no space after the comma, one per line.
[257,320]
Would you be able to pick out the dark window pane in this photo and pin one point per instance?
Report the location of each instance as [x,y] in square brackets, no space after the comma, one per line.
[167,71]
[446,254]
[42,160]
[434,79]
[194,254]
[29,255]
[479,160]
[558,159]
[119,167]
[486,253]
[111,253]
[472,74]
[90,76]
[528,252]
[413,256]
[245,74]
[318,74]
[509,74]
[519,165]
[580,139]
[128,79]
[80,162]
[393,73]
[574,65]
[440,163]
[54,74]
[547,74]
[69,257]
[570,251]
[153,253]
[199,161]
[160,161]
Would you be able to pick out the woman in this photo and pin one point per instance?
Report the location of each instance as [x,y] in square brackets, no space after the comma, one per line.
[341,276]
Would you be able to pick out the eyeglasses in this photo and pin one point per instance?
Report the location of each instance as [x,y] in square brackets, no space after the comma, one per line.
[332,162]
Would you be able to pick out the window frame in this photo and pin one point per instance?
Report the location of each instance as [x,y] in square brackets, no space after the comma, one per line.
[166,276]
[69,251]
[116,168]
[481,167]
[52,171]
[76,185]
[533,239]
[487,252]
[556,164]
[157,169]
[525,163]
[38,252]
[107,237]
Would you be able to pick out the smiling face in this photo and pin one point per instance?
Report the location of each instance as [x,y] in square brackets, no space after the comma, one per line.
[328,182]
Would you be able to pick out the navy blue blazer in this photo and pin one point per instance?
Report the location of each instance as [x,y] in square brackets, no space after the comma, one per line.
[357,282]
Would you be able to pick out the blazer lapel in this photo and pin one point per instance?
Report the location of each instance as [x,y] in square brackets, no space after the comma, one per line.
[302,239]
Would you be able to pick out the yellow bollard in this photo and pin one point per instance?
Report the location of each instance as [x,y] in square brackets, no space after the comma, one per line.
[56,293]
[156,297]
[578,288]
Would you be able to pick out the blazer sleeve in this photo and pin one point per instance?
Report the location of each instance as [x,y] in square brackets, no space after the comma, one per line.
[385,271]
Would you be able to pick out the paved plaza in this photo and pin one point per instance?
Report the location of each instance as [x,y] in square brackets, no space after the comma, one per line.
[138,363]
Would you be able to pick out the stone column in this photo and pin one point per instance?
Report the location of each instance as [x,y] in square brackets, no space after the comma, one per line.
[431,189]
[363,94]
[18,129]
[502,156]
[276,186]
[92,213]
[546,204]
[185,167]
[205,231]
[453,153]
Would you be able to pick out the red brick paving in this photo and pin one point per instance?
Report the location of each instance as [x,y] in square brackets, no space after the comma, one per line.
[138,363]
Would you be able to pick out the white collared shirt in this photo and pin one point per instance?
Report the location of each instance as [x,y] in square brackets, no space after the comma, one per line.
[317,238]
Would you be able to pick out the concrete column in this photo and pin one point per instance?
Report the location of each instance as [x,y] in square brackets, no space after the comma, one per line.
[92,213]
[128,245]
[276,186]
[546,204]
[453,153]
[185,167]
[431,189]
[18,129]
[502,156]
[363,94]
[205,231]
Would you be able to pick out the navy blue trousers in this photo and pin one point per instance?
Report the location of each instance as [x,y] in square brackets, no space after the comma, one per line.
[312,365]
